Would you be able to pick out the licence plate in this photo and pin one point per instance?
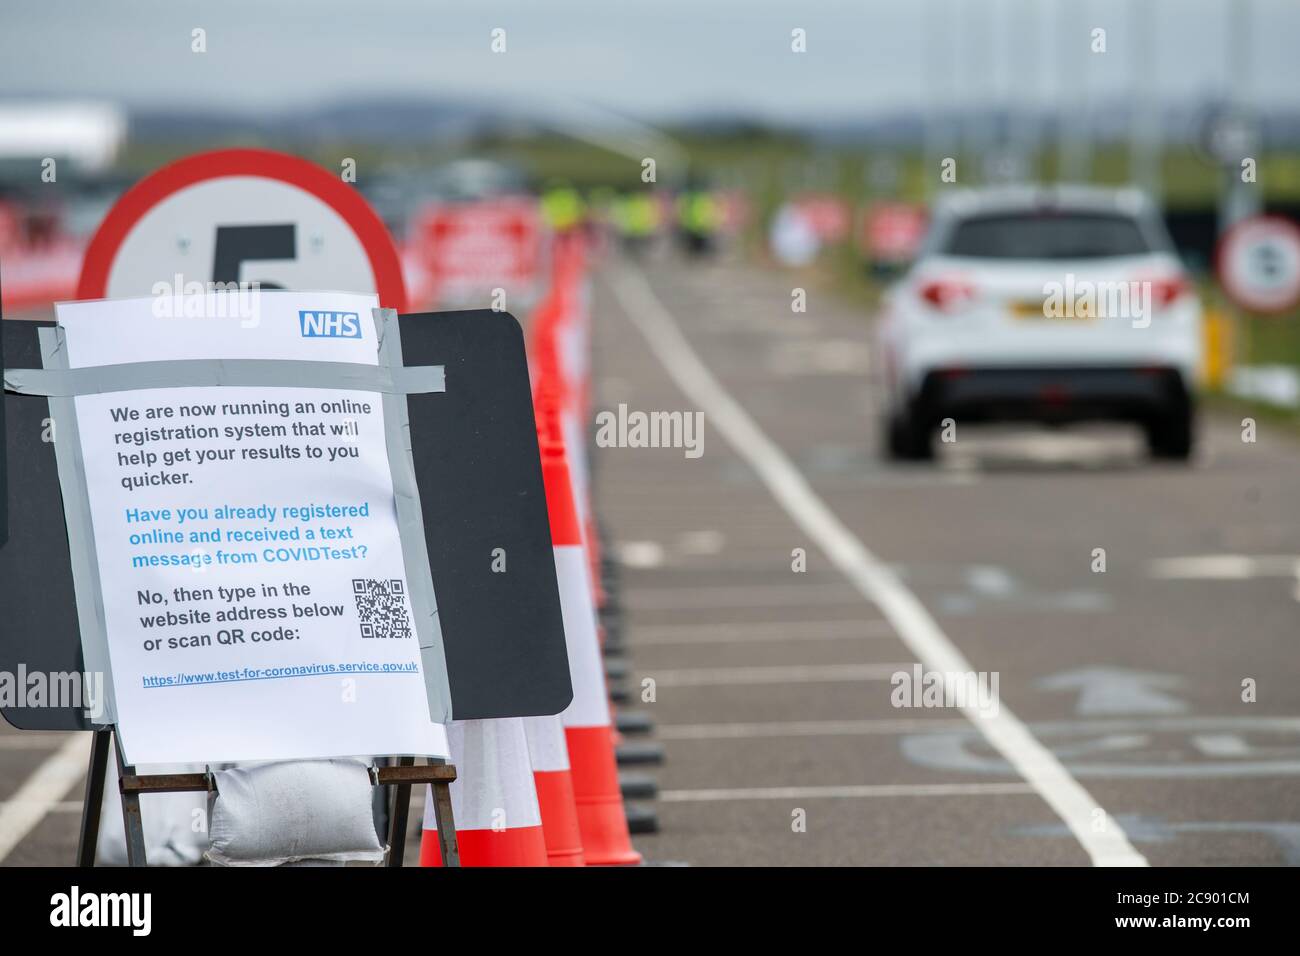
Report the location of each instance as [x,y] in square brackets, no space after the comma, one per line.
[1032,309]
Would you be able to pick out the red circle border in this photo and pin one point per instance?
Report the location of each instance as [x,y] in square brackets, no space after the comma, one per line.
[1230,286]
[375,239]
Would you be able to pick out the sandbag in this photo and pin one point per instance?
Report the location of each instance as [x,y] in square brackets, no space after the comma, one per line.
[285,812]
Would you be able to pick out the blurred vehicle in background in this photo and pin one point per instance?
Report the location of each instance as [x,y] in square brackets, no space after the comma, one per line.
[1053,305]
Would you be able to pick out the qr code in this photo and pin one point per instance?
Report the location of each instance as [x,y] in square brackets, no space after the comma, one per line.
[381,607]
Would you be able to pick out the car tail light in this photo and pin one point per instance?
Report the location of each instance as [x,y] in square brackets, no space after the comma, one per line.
[1168,290]
[946,294]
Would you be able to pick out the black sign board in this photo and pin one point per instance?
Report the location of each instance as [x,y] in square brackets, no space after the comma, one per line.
[477,464]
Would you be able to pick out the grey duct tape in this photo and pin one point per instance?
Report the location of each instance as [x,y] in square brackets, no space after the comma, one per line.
[410,523]
[198,373]
[87,591]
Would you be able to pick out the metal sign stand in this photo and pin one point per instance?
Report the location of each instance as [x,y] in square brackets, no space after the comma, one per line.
[436,773]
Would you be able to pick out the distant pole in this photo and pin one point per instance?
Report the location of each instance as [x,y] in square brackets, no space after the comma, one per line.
[1028,115]
[938,68]
[1073,107]
[954,127]
[1146,129]
[1002,139]
[1237,199]
[974,122]
[1235,139]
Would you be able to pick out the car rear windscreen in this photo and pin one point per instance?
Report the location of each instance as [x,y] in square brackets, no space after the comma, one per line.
[1047,235]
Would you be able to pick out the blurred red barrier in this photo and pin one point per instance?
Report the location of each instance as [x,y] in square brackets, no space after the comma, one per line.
[36,277]
[468,249]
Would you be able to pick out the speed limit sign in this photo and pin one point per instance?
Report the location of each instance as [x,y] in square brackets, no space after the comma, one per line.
[242,215]
[1259,264]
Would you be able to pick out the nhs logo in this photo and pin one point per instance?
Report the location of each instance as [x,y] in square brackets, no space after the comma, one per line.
[337,325]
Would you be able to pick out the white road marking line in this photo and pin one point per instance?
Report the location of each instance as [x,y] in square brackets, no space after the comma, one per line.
[640,554]
[1217,730]
[1221,745]
[849,792]
[1228,567]
[780,674]
[63,806]
[706,542]
[40,740]
[807,728]
[880,585]
[42,792]
[725,598]
[1204,567]
[758,632]
[991,580]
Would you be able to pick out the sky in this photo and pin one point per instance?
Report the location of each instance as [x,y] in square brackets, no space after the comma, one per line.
[652,60]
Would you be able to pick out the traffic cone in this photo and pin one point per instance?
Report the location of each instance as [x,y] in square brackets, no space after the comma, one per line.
[562,346]
[587,726]
[554,781]
[493,798]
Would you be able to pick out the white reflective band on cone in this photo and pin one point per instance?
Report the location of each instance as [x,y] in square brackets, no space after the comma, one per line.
[590,706]
[575,447]
[575,336]
[494,777]
[546,744]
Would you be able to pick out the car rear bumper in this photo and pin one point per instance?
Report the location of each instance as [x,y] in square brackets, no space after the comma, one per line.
[1052,394]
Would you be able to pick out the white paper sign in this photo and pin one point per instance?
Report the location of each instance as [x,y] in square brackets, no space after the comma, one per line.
[255,594]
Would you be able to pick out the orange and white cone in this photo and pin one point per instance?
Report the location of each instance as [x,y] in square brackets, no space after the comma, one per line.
[587,726]
[554,782]
[493,798]
[563,346]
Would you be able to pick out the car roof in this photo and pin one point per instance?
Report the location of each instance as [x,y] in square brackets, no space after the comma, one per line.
[959,203]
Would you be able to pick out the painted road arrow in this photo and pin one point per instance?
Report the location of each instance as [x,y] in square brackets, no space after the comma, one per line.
[1116,690]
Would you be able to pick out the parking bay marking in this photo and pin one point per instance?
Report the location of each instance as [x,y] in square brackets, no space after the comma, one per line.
[1146,747]
[995,588]
[1192,748]
[726,598]
[26,741]
[847,792]
[806,728]
[1284,834]
[758,632]
[1228,567]
[877,583]
[779,674]
[63,806]
[42,792]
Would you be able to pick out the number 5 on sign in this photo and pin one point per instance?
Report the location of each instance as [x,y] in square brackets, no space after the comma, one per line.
[242,216]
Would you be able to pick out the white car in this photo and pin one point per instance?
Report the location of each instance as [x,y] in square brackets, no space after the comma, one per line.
[1049,304]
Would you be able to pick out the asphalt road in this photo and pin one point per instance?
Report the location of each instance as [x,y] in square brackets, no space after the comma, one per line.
[772,686]
[1120,692]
